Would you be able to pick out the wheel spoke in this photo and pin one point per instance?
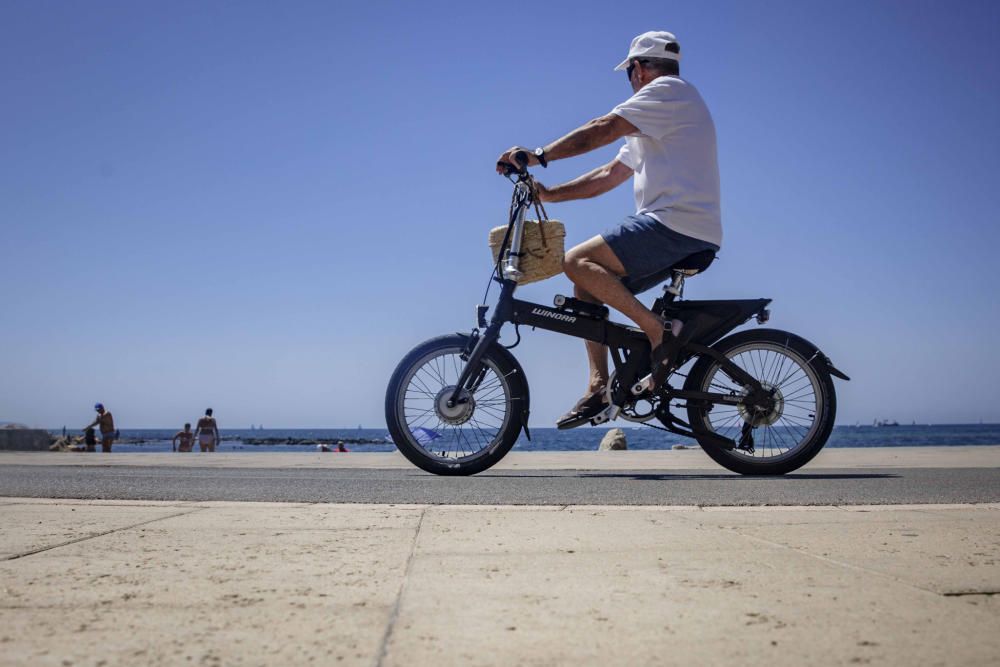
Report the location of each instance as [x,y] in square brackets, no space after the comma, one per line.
[458,434]
[794,416]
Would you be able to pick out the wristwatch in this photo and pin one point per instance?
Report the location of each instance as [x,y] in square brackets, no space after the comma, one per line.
[540,156]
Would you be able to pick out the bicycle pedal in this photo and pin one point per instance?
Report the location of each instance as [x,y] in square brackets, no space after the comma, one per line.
[580,421]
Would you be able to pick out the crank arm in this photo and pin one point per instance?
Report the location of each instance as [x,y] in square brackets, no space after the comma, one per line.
[606,415]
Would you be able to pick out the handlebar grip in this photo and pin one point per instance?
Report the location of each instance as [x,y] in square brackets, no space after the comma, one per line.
[520,165]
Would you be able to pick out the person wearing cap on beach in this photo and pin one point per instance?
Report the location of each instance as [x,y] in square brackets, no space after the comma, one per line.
[669,150]
[106,423]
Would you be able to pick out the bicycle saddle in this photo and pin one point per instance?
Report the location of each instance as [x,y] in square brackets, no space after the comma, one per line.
[690,265]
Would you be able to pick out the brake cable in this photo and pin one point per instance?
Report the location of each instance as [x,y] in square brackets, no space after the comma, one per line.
[496,273]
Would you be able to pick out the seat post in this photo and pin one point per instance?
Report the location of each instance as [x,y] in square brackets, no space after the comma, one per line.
[676,286]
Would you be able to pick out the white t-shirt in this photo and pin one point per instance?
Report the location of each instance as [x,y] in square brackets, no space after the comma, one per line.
[673,157]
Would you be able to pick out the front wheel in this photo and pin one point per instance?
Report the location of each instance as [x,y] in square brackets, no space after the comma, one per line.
[471,435]
[776,434]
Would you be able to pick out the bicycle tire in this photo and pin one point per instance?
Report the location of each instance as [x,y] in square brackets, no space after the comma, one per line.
[500,367]
[814,371]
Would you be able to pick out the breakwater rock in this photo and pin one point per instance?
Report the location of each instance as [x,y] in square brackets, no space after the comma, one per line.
[613,440]
[67,443]
[17,437]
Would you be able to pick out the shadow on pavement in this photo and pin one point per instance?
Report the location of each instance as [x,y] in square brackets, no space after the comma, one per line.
[734,476]
[682,476]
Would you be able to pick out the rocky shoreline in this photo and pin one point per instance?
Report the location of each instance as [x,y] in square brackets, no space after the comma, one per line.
[269,441]
[69,443]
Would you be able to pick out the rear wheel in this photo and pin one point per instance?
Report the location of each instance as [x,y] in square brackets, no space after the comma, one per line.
[471,435]
[780,429]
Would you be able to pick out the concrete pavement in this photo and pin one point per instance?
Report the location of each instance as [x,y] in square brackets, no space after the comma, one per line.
[687,459]
[126,583]
[828,486]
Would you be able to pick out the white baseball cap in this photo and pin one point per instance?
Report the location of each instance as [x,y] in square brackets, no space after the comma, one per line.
[652,44]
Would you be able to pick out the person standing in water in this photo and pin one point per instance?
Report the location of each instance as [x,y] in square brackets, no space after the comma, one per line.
[207,432]
[186,437]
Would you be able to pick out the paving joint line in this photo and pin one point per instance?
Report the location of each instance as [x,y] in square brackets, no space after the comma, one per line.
[833,561]
[96,535]
[90,502]
[394,613]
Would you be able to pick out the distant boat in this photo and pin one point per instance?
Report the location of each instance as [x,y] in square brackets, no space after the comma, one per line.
[885,422]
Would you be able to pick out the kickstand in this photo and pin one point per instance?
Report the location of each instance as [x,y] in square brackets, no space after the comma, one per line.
[746,438]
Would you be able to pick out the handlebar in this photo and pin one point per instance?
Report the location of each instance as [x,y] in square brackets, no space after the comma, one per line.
[511,169]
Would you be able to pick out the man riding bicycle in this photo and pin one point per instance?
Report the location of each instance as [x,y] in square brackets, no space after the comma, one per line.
[670,149]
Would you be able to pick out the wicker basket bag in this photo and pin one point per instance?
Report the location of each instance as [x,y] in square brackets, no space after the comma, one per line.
[542,247]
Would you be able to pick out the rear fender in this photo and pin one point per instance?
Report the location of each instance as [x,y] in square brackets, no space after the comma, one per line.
[818,355]
[835,372]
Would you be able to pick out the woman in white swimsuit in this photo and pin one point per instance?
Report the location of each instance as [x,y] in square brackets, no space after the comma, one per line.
[207,432]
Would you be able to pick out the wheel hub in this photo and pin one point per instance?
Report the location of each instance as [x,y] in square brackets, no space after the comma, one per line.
[762,408]
[460,412]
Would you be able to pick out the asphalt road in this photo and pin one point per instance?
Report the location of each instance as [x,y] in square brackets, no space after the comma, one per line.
[523,487]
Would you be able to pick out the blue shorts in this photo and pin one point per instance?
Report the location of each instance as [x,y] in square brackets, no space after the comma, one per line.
[646,247]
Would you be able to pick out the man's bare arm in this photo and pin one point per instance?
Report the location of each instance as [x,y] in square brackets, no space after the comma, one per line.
[598,132]
[591,184]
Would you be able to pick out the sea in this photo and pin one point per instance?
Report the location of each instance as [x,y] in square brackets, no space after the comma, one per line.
[638,437]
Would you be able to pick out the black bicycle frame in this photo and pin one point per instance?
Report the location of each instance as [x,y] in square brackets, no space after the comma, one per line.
[705,322]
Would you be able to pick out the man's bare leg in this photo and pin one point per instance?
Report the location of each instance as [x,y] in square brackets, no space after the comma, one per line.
[595,269]
[597,354]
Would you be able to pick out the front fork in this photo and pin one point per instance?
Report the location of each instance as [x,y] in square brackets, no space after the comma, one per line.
[474,371]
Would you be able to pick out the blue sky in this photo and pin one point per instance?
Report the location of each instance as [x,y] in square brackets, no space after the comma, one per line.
[262,206]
